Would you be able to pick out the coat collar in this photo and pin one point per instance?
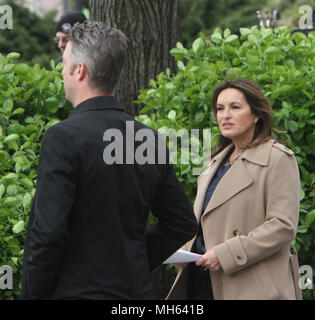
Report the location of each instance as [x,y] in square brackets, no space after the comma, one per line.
[236,179]
[258,155]
[97,103]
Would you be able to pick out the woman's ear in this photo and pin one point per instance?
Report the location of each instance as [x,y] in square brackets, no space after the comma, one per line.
[256,119]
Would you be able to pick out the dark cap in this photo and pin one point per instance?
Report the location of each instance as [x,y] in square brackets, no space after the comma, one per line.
[71,18]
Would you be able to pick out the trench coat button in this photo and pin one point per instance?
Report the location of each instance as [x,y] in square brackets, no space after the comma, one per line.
[240,257]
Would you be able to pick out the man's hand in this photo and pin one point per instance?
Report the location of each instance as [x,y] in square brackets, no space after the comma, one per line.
[209,261]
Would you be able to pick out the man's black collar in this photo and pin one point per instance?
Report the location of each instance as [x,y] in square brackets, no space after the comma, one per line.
[97,103]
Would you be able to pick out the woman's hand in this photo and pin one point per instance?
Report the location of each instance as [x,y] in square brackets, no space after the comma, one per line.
[209,261]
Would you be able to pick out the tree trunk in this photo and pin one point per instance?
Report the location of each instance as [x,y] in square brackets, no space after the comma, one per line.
[152,27]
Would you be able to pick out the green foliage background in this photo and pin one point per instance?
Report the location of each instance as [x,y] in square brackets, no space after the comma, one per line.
[31,36]
[206,15]
[31,100]
[283,64]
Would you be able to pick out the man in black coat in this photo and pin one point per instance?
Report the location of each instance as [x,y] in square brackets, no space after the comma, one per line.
[100,174]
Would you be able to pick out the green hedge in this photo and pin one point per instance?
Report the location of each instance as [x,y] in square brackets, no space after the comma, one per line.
[283,64]
[31,100]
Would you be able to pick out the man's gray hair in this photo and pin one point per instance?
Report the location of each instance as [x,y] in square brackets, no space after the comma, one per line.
[103,51]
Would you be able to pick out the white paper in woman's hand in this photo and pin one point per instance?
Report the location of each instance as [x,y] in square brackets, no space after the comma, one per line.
[182,256]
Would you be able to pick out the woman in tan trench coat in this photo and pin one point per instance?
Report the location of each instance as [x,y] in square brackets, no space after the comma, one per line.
[251,218]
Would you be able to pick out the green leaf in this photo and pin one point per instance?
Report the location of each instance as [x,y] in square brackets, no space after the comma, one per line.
[15,260]
[59,66]
[285,88]
[10,177]
[216,38]
[52,64]
[2,190]
[8,68]
[311,140]
[298,37]
[13,56]
[197,44]
[310,218]
[22,68]
[8,105]
[226,33]
[29,93]
[272,50]
[14,246]
[172,115]
[302,229]
[26,182]
[18,167]
[4,160]
[18,111]
[31,128]
[52,104]
[51,123]
[43,85]
[12,190]
[253,39]
[10,201]
[231,38]
[11,138]
[199,116]
[266,33]
[18,227]
[181,66]
[27,200]
[245,31]
[58,83]
[292,126]
[178,53]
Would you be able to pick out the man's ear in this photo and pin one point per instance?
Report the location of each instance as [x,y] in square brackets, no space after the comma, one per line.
[81,71]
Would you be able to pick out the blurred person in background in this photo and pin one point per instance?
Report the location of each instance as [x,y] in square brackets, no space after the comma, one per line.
[63,29]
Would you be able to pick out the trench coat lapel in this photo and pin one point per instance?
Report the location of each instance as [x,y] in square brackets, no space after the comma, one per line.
[236,179]
[205,178]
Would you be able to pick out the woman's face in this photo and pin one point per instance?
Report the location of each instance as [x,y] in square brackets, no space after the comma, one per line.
[235,118]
